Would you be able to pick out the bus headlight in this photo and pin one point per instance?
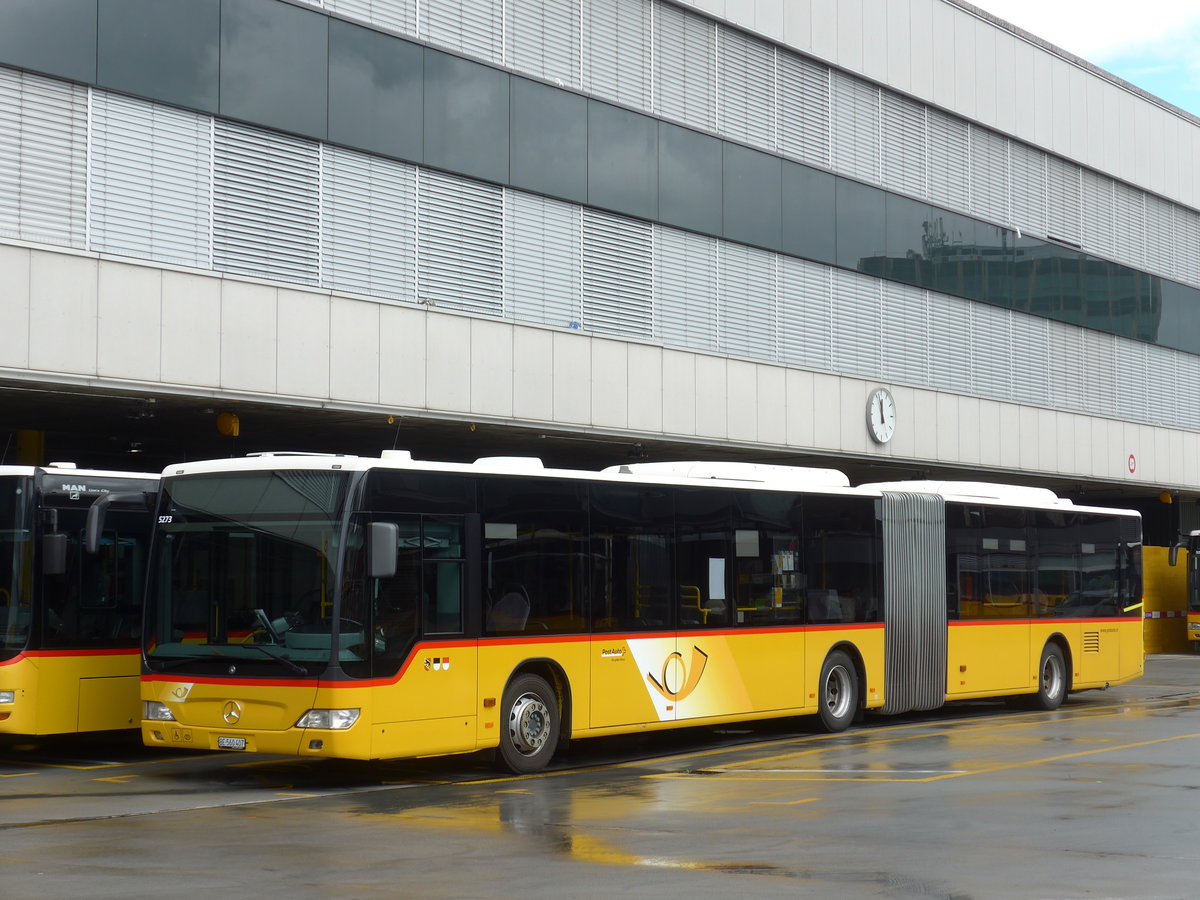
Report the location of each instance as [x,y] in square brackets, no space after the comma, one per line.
[156,712]
[334,719]
[8,696]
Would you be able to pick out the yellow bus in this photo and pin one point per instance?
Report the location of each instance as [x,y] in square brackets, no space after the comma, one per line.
[1192,545]
[383,608]
[70,620]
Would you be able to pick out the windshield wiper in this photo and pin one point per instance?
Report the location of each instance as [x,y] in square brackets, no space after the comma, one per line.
[180,661]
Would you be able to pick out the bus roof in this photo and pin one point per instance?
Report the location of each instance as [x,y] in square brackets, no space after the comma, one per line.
[715,474]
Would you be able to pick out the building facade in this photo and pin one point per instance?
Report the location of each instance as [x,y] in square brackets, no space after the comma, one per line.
[722,223]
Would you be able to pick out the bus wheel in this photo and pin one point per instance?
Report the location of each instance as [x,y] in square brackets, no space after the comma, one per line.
[838,692]
[530,729]
[1052,679]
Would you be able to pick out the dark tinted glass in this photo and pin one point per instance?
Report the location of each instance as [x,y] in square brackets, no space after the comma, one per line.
[633,585]
[622,160]
[808,213]
[163,49]
[57,37]
[860,224]
[375,91]
[841,555]
[535,555]
[907,242]
[274,65]
[549,141]
[1179,323]
[418,492]
[689,179]
[753,201]
[995,257]
[466,117]
[704,558]
[952,250]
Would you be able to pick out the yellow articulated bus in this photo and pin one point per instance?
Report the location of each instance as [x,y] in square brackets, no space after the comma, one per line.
[70,620]
[383,608]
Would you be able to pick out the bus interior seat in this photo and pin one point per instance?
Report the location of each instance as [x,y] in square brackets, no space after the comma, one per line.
[511,611]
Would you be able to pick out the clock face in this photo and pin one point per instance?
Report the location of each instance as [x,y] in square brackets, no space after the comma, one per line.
[881,415]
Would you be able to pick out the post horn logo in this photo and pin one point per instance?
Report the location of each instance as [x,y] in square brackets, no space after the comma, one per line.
[231,712]
[689,675]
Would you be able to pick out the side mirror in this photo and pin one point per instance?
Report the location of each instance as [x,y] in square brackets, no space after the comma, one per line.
[54,553]
[1173,553]
[383,539]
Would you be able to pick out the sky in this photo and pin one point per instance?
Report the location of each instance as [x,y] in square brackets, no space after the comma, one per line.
[1154,44]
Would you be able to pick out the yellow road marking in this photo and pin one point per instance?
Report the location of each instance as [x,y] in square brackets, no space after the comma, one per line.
[117,779]
[17,774]
[783,802]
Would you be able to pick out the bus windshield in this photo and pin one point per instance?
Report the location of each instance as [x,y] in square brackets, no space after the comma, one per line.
[16,558]
[242,573]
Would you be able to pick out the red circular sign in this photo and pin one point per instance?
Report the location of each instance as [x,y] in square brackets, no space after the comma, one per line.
[1132,463]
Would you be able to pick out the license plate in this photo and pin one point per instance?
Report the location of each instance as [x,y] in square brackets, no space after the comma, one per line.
[231,743]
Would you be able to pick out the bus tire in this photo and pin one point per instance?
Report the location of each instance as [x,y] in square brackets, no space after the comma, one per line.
[837,694]
[1052,679]
[529,730]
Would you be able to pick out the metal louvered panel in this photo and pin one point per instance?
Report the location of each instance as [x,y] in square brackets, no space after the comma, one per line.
[43,159]
[266,204]
[1064,207]
[914,601]
[1129,224]
[989,175]
[1161,405]
[618,277]
[1132,362]
[544,39]
[473,27]
[855,117]
[616,50]
[685,67]
[1030,347]
[950,342]
[685,289]
[805,314]
[368,224]
[1066,376]
[1099,370]
[905,145]
[151,185]
[748,315]
[1187,403]
[746,89]
[905,353]
[543,270]
[397,15]
[804,109]
[857,312]
[949,161]
[1187,244]
[1161,257]
[991,351]
[1098,206]
[1028,188]
[460,248]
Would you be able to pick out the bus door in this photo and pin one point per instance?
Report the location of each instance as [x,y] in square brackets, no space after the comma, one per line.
[423,667]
